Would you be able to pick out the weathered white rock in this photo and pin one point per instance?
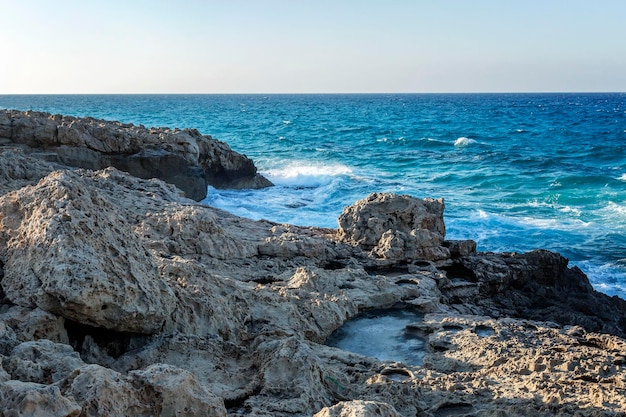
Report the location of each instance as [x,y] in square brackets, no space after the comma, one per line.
[358,408]
[396,226]
[42,361]
[103,392]
[176,392]
[87,265]
[34,324]
[18,170]
[24,399]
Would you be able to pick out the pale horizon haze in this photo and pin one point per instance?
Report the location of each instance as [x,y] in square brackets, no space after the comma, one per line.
[273,46]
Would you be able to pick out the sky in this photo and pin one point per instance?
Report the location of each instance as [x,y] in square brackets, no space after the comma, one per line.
[316,46]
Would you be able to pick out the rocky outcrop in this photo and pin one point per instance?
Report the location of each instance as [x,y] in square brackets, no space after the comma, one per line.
[182,157]
[86,266]
[396,227]
[119,296]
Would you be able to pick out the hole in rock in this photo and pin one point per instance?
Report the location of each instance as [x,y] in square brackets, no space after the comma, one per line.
[397,374]
[452,328]
[451,409]
[422,264]
[407,282]
[388,270]
[484,331]
[265,280]
[113,343]
[456,270]
[333,265]
[384,334]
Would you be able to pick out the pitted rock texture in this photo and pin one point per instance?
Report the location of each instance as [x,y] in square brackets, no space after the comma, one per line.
[396,227]
[182,157]
[88,266]
[118,296]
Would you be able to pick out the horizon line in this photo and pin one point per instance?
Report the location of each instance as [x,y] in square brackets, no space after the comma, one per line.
[313,93]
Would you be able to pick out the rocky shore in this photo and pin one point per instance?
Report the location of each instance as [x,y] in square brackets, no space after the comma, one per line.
[119,296]
[182,157]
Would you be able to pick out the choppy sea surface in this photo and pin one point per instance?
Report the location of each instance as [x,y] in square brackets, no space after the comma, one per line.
[517,171]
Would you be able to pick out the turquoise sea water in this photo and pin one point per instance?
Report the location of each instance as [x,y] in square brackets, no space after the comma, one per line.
[517,171]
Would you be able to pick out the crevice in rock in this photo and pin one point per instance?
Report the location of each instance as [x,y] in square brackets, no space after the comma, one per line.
[265,280]
[388,270]
[457,270]
[454,409]
[236,401]
[111,342]
[333,265]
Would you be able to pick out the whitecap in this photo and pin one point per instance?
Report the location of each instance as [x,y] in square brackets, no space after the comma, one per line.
[623,177]
[306,174]
[463,141]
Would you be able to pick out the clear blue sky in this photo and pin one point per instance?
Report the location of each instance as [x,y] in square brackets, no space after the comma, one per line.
[316,46]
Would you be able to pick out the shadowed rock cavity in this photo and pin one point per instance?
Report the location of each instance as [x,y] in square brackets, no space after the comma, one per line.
[94,342]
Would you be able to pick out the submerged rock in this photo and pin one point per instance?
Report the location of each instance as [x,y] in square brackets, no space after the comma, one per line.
[118,296]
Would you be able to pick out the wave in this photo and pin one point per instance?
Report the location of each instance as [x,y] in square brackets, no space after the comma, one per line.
[305,174]
[463,142]
[607,278]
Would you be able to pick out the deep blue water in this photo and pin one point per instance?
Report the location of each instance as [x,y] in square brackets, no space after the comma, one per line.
[517,171]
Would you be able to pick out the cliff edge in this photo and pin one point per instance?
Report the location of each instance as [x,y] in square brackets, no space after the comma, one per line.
[182,157]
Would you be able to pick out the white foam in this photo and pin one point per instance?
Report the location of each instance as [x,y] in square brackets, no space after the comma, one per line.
[305,174]
[623,177]
[463,141]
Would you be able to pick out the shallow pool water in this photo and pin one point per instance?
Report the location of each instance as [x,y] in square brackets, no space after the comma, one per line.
[382,334]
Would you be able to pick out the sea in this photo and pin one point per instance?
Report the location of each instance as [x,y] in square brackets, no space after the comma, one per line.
[517,171]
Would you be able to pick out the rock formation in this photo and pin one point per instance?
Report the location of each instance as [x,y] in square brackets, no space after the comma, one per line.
[121,297]
[185,158]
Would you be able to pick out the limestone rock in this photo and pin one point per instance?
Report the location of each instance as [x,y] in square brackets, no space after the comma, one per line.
[396,226]
[103,392]
[177,392]
[358,408]
[182,157]
[42,361]
[19,398]
[18,170]
[34,323]
[539,285]
[85,264]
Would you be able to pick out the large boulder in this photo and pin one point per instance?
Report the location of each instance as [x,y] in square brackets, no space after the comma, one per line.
[68,250]
[182,157]
[396,227]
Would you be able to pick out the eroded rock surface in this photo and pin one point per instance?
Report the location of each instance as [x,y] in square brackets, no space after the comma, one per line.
[182,157]
[118,296]
[396,227]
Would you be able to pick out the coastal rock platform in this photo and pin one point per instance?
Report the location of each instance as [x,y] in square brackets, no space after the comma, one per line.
[119,296]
